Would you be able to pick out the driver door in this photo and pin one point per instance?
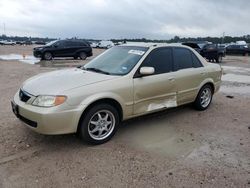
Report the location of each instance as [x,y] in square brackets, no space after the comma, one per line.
[157,91]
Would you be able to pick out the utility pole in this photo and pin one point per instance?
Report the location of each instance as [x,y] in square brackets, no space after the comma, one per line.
[223,36]
[4,29]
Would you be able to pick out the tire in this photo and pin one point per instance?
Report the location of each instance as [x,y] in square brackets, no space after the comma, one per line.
[99,124]
[47,56]
[204,98]
[219,59]
[83,55]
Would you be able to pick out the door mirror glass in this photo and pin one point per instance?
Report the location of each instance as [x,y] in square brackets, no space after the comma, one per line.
[144,71]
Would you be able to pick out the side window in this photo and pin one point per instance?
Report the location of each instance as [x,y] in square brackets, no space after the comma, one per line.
[70,43]
[160,59]
[83,44]
[182,58]
[59,43]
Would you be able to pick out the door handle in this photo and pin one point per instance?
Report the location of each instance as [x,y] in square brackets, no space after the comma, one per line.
[202,73]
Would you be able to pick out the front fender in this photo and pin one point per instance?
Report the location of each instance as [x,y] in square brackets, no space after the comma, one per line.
[127,108]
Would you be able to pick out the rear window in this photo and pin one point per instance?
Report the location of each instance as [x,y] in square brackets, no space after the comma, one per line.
[184,59]
[75,43]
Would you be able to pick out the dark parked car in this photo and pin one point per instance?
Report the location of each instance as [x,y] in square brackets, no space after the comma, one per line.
[238,50]
[40,42]
[64,48]
[207,50]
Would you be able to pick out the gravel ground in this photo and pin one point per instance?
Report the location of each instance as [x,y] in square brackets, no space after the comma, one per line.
[175,148]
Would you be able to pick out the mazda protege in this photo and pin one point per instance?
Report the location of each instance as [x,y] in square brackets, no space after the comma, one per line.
[124,82]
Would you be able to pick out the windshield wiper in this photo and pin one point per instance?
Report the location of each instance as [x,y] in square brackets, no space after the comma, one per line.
[96,70]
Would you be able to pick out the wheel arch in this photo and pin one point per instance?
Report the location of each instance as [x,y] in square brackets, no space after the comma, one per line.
[50,51]
[77,52]
[110,101]
[207,82]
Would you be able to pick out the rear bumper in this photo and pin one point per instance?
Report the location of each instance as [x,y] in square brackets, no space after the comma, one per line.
[49,121]
[217,86]
[90,54]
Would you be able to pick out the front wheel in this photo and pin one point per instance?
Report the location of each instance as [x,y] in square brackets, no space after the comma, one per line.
[83,55]
[203,98]
[99,124]
[47,56]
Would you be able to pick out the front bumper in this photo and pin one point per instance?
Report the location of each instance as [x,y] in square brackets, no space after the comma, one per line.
[61,119]
[37,53]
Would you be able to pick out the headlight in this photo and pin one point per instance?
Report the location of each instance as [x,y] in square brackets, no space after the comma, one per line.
[48,100]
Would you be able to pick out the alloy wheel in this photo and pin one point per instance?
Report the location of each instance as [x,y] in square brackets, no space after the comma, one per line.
[101,124]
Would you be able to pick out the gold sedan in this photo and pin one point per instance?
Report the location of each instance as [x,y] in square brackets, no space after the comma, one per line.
[124,82]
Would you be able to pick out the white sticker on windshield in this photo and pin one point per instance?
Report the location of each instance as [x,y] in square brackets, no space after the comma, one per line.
[136,52]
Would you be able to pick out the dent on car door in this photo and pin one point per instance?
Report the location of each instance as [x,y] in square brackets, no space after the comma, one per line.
[156,91]
[189,74]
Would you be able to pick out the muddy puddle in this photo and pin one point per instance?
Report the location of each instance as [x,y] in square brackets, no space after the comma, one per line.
[236,70]
[241,89]
[55,63]
[235,80]
[22,58]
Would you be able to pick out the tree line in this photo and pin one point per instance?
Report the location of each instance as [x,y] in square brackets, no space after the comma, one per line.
[176,39]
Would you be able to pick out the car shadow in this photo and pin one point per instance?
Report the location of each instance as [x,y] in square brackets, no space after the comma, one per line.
[150,126]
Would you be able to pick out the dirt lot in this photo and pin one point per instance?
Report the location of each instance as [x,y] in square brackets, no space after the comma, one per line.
[175,148]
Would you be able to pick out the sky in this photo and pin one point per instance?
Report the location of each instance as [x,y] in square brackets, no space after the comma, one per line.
[106,19]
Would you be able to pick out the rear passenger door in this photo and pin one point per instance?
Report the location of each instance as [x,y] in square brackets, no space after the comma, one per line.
[157,91]
[189,73]
[70,48]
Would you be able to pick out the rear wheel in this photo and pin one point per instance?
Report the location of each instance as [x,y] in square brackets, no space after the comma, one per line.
[219,59]
[83,55]
[99,124]
[203,98]
[47,56]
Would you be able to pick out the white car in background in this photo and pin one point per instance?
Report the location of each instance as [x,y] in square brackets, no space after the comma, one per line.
[94,44]
[105,44]
[5,42]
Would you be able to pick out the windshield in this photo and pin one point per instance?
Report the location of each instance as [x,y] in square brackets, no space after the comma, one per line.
[51,42]
[119,60]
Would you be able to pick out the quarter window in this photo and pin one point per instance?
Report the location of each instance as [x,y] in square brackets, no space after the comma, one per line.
[196,61]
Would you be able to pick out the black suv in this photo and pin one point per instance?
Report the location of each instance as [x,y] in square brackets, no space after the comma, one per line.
[64,48]
[208,50]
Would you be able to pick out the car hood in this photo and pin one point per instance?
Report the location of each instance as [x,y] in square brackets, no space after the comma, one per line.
[41,47]
[56,82]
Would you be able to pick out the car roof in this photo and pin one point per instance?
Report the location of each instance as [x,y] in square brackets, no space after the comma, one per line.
[154,45]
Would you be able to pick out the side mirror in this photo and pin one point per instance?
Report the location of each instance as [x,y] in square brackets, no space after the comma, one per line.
[144,71]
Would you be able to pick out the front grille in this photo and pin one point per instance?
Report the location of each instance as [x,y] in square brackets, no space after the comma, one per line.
[24,96]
